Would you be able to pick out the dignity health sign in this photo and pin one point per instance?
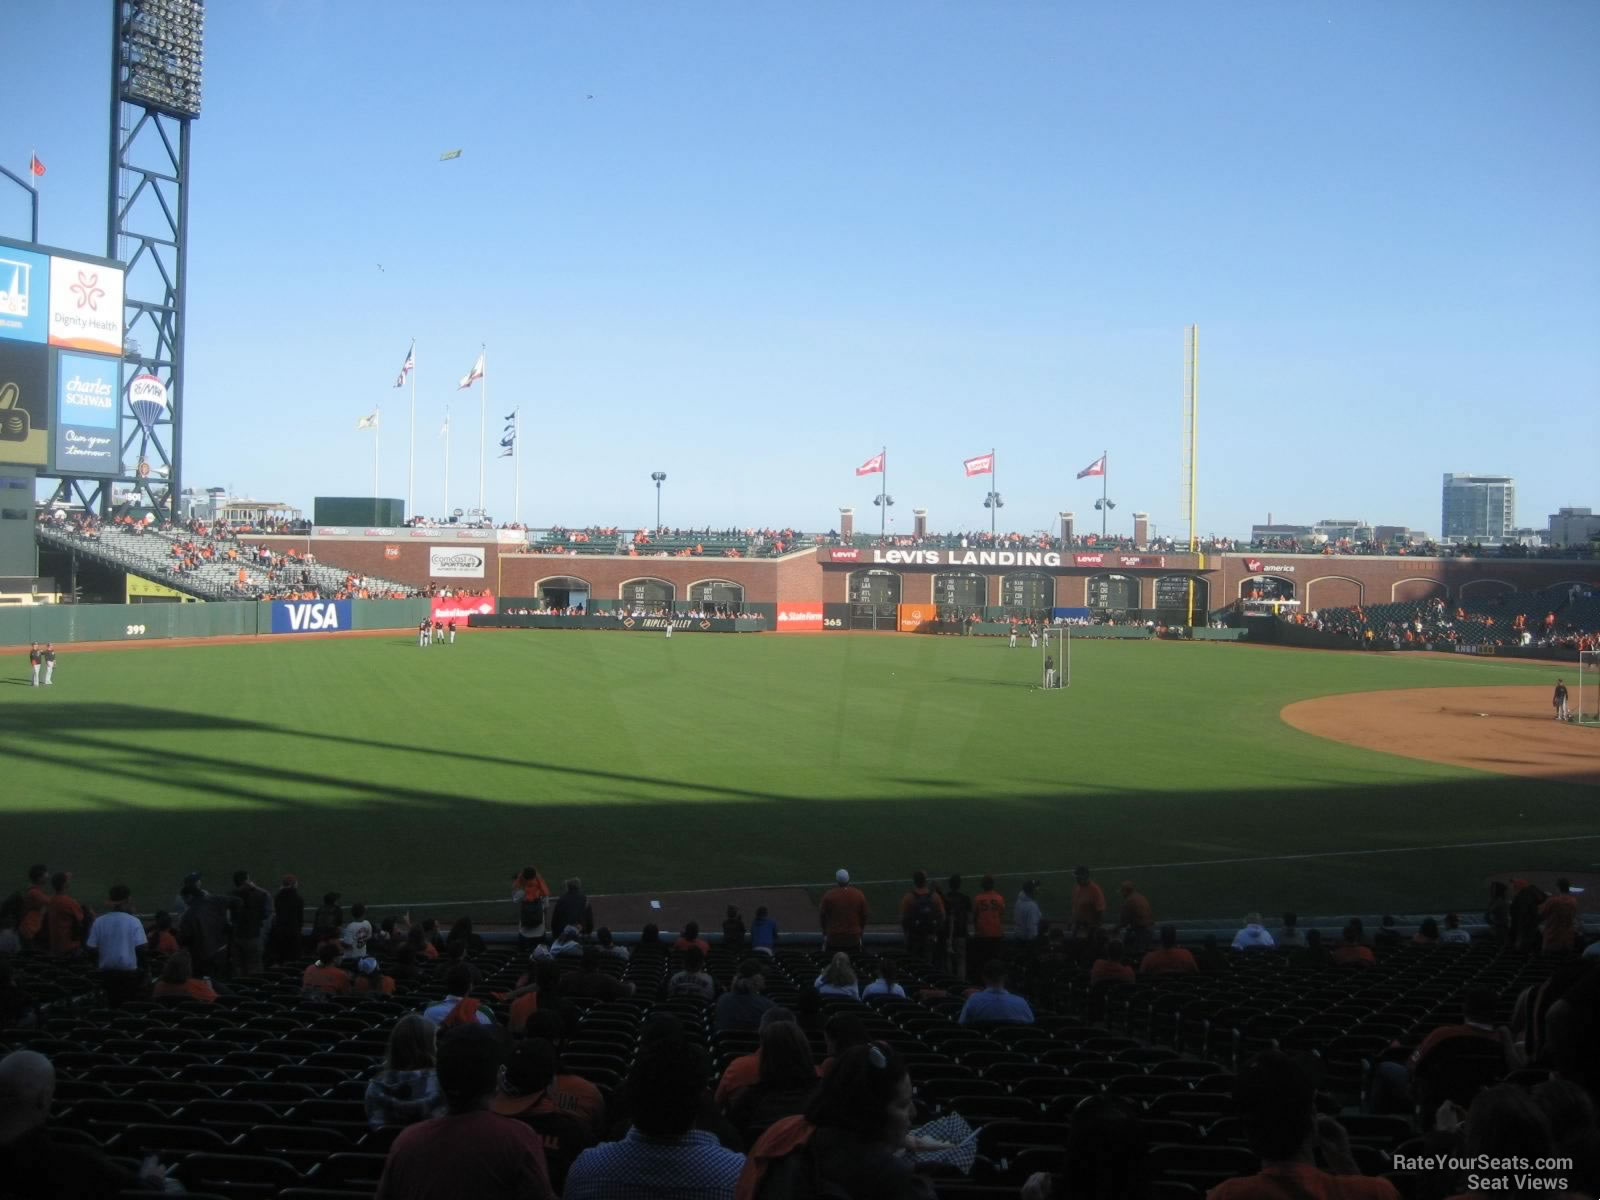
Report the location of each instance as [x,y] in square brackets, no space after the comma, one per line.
[60,299]
[88,430]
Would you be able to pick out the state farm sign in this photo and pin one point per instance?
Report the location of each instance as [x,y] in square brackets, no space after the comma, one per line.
[797,618]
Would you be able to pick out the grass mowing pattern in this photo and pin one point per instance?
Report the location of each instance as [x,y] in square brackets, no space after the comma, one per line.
[397,773]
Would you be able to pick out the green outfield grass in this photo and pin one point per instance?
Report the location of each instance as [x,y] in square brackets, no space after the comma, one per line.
[395,773]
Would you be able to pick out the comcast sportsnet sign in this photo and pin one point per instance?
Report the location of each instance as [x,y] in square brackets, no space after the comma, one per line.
[455,562]
[459,608]
[799,618]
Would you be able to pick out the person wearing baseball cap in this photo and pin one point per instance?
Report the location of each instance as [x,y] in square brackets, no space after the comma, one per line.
[842,915]
[525,1093]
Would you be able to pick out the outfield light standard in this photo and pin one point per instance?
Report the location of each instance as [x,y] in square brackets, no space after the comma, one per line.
[994,504]
[660,477]
[1104,506]
[885,502]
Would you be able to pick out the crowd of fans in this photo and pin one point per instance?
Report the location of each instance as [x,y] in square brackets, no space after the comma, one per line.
[951,1063]
[1551,621]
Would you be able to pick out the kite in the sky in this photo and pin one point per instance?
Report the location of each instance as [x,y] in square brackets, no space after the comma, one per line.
[449,154]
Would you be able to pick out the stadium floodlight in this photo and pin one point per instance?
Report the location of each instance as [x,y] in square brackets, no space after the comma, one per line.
[660,477]
[1104,507]
[163,52]
[994,503]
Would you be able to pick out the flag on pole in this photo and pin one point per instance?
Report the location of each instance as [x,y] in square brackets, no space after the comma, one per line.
[449,154]
[35,167]
[508,436]
[472,376]
[370,421]
[872,466]
[407,366]
[1097,467]
[444,430]
[982,465]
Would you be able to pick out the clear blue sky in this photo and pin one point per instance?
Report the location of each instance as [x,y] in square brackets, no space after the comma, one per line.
[780,236]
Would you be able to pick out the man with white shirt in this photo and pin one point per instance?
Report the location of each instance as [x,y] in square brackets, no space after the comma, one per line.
[1253,936]
[459,1007]
[1026,915]
[355,935]
[118,938]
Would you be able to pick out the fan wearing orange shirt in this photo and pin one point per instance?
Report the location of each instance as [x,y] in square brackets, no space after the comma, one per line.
[35,903]
[325,975]
[1111,968]
[1171,958]
[842,914]
[1088,901]
[1558,919]
[988,927]
[176,980]
[66,921]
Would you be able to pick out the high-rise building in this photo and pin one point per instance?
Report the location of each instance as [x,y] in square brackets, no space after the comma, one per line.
[1478,508]
[1573,527]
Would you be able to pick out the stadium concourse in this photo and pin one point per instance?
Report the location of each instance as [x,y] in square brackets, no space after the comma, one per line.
[254,1043]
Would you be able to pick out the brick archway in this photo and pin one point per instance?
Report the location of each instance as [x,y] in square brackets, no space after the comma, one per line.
[1424,589]
[1334,591]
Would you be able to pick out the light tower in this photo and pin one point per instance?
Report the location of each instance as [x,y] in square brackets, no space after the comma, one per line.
[158,58]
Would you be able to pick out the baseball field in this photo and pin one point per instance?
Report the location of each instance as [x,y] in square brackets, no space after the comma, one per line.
[428,776]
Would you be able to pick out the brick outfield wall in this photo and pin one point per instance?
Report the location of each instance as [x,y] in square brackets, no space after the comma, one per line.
[1319,581]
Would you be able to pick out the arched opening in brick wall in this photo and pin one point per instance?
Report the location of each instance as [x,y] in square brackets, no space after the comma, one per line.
[1334,591]
[1410,591]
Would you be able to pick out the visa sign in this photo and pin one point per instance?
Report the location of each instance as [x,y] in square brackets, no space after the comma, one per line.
[310,616]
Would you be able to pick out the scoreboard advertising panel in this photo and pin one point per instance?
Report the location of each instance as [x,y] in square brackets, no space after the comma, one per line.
[61,335]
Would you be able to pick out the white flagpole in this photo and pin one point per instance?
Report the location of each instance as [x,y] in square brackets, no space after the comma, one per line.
[411,451]
[446,514]
[377,429]
[516,465]
[483,422]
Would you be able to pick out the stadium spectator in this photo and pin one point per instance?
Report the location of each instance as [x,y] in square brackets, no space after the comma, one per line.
[958,927]
[1497,916]
[250,906]
[572,1093]
[662,1157]
[32,1162]
[328,921]
[1170,958]
[31,904]
[530,893]
[849,1142]
[471,1150]
[1253,936]
[842,914]
[988,926]
[367,979]
[1558,919]
[1453,934]
[203,928]
[1350,952]
[461,941]
[733,931]
[838,979]
[1505,1126]
[67,921]
[1211,960]
[406,1090]
[1276,1101]
[1427,933]
[784,1082]
[693,981]
[325,977]
[10,943]
[592,981]
[885,984]
[1026,915]
[763,933]
[1313,956]
[288,920]
[178,981]
[572,908]
[742,1006]
[118,938]
[921,916]
[357,933]
[994,1003]
[1110,969]
[160,933]
[1105,1155]
[568,944]
[1289,935]
[1088,901]
[1137,921]
[744,1069]
[691,937]
[526,1094]
[458,1007]
[1388,936]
